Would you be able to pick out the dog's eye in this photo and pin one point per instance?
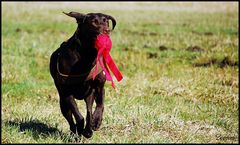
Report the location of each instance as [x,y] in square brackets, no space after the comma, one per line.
[96,21]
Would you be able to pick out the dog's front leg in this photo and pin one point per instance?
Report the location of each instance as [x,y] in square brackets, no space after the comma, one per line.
[98,113]
[74,109]
[88,128]
[67,113]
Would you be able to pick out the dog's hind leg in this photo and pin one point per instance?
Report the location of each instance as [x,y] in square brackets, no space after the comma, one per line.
[88,128]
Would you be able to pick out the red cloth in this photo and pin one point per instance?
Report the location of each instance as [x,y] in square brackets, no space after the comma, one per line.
[104,44]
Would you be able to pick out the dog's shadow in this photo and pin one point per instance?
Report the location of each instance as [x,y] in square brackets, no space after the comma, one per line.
[38,129]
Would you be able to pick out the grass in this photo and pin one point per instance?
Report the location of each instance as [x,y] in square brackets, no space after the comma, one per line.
[180,74]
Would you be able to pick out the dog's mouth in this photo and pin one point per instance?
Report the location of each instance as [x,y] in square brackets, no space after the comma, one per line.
[93,33]
[105,31]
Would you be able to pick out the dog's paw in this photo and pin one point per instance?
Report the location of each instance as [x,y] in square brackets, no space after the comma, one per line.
[87,133]
[96,123]
[73,129]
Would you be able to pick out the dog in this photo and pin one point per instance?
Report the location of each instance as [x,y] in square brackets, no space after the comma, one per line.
[71,67]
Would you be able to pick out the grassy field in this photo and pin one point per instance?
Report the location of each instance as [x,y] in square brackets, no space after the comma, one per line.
[179,61]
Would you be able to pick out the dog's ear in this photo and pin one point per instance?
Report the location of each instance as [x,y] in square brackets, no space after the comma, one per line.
[79,16]
[113,21]
[111,18]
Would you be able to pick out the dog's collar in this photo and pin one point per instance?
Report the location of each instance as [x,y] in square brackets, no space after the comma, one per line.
[89,74]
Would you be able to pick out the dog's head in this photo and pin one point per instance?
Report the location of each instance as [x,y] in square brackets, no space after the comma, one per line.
[94,23]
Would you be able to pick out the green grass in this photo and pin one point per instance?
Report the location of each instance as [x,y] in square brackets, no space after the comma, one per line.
[174,95]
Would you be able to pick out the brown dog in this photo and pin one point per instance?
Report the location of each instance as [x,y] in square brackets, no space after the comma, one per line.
[71,67]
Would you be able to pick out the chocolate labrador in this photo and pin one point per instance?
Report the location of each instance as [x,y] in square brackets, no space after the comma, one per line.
[71,68]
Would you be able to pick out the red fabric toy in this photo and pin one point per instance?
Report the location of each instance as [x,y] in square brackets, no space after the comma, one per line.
[104,44]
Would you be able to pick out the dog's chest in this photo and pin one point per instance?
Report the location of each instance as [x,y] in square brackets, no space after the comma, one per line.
[79,91]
